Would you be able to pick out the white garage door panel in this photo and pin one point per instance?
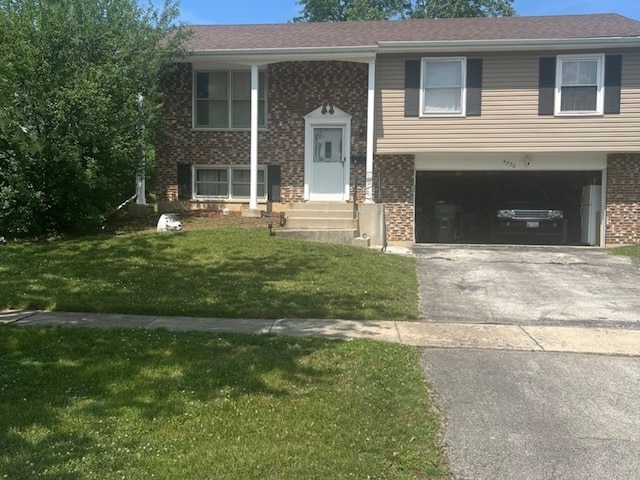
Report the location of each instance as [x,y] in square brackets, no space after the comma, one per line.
[511,161]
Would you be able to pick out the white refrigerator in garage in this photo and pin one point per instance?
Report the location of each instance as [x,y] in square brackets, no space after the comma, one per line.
[590,215]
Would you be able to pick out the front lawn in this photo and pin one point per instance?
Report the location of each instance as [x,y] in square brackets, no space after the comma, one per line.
[137,404]
[232,272]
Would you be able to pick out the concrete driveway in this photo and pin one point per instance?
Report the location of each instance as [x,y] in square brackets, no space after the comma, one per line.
[522,285]
[537,415]
[534,415]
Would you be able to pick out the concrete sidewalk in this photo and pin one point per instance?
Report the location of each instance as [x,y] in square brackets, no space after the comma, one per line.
[421,334]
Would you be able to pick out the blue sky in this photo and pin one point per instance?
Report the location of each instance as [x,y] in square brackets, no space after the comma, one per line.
[280,11]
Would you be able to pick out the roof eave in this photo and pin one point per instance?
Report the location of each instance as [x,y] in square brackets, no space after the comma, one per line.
[508,45]
[272,55]
[366,53]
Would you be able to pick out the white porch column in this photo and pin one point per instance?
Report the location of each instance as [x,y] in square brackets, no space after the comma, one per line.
[368,192]
[253,192]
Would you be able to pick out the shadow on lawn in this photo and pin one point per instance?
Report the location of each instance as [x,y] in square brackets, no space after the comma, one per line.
[65,393]
[160,275]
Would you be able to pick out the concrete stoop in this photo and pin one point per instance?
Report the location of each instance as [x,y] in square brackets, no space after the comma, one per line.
[321,223]
[325,235]
[326,222]
[364,242]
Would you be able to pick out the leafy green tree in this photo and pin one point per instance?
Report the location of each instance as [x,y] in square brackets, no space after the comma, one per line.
[343,10]
[69,118]
[459,8]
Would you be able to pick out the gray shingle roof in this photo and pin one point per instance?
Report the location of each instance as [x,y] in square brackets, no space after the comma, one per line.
[362,34]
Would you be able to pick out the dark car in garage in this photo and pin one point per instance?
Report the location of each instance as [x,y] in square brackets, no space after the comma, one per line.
[527,212]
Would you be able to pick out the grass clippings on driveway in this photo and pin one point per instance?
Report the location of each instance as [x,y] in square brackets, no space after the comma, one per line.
[232,272]
[632,251]
[137,404]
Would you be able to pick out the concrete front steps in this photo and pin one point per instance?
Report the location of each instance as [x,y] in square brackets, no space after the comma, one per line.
[327,222]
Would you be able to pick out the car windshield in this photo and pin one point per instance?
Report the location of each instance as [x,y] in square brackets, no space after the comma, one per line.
[522,195]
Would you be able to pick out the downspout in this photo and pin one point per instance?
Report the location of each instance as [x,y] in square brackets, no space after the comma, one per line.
[604,182]
[253,191]
[368,189]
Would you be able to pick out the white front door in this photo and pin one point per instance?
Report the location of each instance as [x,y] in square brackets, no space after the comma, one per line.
[327,155]
[328,165]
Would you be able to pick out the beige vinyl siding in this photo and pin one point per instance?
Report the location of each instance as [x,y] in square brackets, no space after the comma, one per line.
[509,120]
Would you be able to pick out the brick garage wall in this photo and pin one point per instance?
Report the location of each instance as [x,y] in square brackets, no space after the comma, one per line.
[294,90]
[623,199]
[397,174]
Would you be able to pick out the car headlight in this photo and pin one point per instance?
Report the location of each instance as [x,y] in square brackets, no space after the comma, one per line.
[553,214]
[506,213]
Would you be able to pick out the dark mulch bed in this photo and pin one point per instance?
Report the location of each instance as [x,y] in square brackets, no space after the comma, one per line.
[191,220]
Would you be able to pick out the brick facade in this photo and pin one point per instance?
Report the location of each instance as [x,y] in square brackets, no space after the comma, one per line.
[294,90]
[623,199]
[396,176]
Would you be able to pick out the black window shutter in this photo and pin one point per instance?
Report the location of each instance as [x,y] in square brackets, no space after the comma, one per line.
[474,87]
[546,85]
[184,181]
[412,88]
[274,183]
[612,83]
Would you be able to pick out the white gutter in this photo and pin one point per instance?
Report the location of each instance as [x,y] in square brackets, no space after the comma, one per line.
[367,53]
[508,45]
[286,50]
[362,54]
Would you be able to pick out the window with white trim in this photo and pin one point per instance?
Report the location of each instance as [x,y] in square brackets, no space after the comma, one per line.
[212,182]
[443,86]
[223,99]
[226,183]
[579,85]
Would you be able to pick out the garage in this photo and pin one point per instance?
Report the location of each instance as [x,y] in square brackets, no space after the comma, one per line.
[516,204]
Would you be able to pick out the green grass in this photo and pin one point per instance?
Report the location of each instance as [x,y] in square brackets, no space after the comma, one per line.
[632,251]
[112,404]
[233,272]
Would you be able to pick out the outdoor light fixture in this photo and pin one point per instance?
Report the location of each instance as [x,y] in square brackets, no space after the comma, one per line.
[326,106]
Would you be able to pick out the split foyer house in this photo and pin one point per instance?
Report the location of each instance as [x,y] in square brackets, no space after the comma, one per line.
[430,120]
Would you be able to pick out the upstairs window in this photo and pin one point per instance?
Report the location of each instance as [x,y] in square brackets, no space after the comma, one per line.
[223,100]
[443,86]
[579,85]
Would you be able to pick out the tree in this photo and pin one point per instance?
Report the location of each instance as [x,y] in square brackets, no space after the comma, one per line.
[459,8]
[69,117]
[343,10]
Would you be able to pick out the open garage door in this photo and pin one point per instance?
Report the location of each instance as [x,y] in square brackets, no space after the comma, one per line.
[536,207]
